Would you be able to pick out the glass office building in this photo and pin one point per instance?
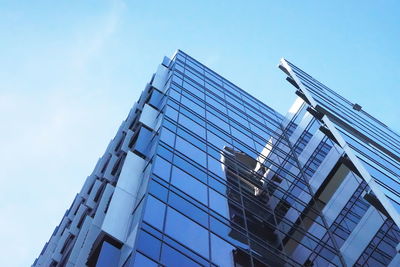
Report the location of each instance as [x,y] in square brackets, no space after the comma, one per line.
[203,174]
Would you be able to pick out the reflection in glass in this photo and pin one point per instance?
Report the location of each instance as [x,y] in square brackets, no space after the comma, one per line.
[171,257]
[188,149]
[189,185]
[143,261]
[149,245]
[154,212]
[187,232]
[162,168]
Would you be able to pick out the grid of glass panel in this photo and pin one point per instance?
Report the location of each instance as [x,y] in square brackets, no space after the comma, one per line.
[209,199]
[228,183]
[375,145]
[345,222]
[382,247]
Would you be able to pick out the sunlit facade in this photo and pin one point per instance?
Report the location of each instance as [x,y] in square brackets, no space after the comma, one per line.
[203,174]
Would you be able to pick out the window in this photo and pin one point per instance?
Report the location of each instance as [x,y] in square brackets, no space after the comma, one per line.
[143,141]
[196,90]
[171,257]
[194,106]
[171,113]
[190,150]
[234,236]
[213,77]
[186,231]
[155,99]
[217,140]
[217,121]
[148,245]
[190,168]
[154,212]
[158,190]
[191,125]
[219,203]
[194,77]
[109,255]
[162,168]
[222,253]
[215,105]
[177,79]
[189,185]
[192,138]
[167,136]
[216,90]
[187,208]
[143,261]
[216,167]
[243,137]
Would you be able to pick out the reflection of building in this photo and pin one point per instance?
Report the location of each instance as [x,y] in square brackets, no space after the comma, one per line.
[240,173]
[202,174]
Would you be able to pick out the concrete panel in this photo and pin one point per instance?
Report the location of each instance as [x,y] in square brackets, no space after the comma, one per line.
[160,78]
[130,176]
[118,216]
[117,219]
[80,240]
[149,116]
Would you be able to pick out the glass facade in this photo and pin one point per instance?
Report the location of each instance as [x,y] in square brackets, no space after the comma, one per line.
[375,146]
[203,174]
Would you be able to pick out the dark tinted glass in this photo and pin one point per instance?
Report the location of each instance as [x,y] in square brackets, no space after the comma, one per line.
[187,232]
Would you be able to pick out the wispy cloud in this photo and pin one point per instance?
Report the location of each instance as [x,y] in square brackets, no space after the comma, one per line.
[92,46]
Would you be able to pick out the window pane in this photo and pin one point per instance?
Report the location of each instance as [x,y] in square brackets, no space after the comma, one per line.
[162,168]
[217,121]
[189,185]
[171,113]
[188,209]
[191,137]
[141,260]
[190,151]
[219,203]
[187,232]
[109,255]
[149,245]
[222,252]
[190,168]
[218,141]
[154,212]
[191,125]
[171,257]
[193,106]
[216,105]
[228,233]
[216,167]
[167,136]
[158,190]
[198,91]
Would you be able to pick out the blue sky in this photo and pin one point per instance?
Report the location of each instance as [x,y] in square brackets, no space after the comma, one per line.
[72,69]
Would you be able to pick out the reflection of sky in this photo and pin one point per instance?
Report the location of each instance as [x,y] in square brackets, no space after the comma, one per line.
[70,73]
[219,203]
[221,252]
[189,185]
[189,233]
